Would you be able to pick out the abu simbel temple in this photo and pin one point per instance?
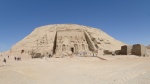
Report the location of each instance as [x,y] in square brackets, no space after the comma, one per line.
[64,40]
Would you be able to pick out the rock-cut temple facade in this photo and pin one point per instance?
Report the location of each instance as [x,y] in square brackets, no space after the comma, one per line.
[73,41]
[65,39]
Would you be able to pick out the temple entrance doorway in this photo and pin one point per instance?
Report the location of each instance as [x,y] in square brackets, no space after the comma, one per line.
[72,50]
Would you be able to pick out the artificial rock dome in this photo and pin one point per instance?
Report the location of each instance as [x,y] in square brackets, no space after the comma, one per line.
[58,39]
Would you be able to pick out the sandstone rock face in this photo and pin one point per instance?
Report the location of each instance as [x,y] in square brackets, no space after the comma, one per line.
[66,38]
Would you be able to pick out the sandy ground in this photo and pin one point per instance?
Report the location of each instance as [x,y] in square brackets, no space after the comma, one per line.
[77,70]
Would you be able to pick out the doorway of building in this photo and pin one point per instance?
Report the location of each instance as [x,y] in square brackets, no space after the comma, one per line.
[72,49]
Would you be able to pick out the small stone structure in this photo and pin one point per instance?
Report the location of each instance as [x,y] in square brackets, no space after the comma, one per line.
[108,52]
[136,49]
[126,50]
[139,49]
[118,52]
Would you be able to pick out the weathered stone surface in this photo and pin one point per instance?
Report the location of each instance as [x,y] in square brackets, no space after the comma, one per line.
[139,49]
[67,38]
[126,49]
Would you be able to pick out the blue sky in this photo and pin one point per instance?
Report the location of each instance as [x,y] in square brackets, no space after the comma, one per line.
[125,20]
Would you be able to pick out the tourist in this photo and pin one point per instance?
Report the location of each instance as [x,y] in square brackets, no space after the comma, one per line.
[19,58]
[15,58]
[50,55]
[4,62]
[8,56]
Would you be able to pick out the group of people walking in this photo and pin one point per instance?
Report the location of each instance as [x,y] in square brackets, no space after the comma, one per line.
[4,59]
[17,58]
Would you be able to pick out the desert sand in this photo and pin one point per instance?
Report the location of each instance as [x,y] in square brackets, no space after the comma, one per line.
[77,70]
